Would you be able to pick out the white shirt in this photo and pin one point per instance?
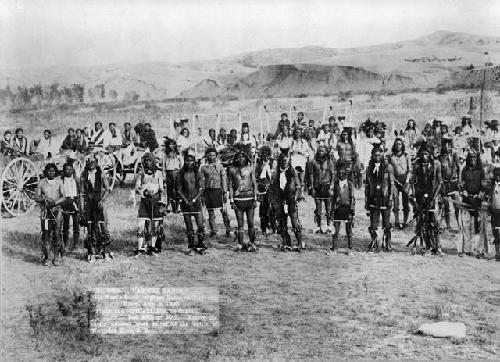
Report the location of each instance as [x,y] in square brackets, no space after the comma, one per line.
[266,171]
[247,139]
[365,147]
[91,177]
[69,186]
[47,145]
[109,140]
[183,142]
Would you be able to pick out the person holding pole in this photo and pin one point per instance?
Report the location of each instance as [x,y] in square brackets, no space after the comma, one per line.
[50,195]
[214,175]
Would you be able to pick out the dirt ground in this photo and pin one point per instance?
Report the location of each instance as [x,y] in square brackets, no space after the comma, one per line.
[273,305]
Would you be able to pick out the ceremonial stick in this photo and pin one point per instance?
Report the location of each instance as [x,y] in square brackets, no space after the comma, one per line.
[193,132]
[261,128]
[217,124]
[324,115]
[267,121]
[172,127]
[350,113]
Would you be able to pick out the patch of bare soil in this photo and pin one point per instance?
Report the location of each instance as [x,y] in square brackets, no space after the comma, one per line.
[273,305]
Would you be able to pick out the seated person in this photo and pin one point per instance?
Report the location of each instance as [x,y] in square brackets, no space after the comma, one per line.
[20,143]
[7,144]
[127,152]
[82,145]
[148,138]
[112,139]
[70,141]
[45,148]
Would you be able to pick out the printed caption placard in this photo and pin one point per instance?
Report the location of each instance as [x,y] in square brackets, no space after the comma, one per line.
[156,310]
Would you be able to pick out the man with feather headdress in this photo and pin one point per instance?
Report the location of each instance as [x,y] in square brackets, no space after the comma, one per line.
[149,185]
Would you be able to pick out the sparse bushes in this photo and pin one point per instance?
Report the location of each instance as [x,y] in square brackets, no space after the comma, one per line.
[302,95]
[67,321]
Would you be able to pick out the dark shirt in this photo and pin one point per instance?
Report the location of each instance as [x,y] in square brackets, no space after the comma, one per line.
[148,139]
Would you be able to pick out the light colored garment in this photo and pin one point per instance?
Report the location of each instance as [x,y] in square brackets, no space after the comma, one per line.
[110,140]
[96,137]
[173,163]
[285,142]
[47,146]
[364,147]
[69,187]
[469,241]
[283,178]
[300,153]
[183,142]
[91,177]
[153,183]
[248,139]
[128,155]
[266,171]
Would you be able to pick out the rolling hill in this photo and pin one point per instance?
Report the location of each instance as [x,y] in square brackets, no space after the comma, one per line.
[296,80]
[425,62]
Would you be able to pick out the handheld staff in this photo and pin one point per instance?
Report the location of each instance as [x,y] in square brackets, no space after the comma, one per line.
[268,124]
[195,118]
[217,124]
[261,129]
[323,118]
[172,128]
[350,113]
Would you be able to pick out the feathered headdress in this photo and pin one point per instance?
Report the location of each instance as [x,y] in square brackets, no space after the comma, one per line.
[149,156]
[265,151]
[376,125]
[229,154]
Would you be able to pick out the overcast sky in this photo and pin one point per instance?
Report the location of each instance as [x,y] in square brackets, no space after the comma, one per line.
[44,33]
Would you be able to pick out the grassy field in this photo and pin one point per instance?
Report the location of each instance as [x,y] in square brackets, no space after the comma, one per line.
[273,305]
[395,110]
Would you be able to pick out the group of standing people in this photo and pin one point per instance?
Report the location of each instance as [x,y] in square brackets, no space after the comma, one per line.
[425,171]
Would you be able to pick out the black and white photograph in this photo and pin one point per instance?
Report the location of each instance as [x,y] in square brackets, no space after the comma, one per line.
[242,180]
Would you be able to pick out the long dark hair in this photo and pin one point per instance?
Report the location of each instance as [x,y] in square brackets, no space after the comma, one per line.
[98,173]
[168,142]
[408,125]
[393,149]
[444,142]
[468,161]
[67,164]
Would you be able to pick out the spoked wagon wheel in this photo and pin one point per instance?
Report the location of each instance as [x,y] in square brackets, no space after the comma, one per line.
[19,181]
